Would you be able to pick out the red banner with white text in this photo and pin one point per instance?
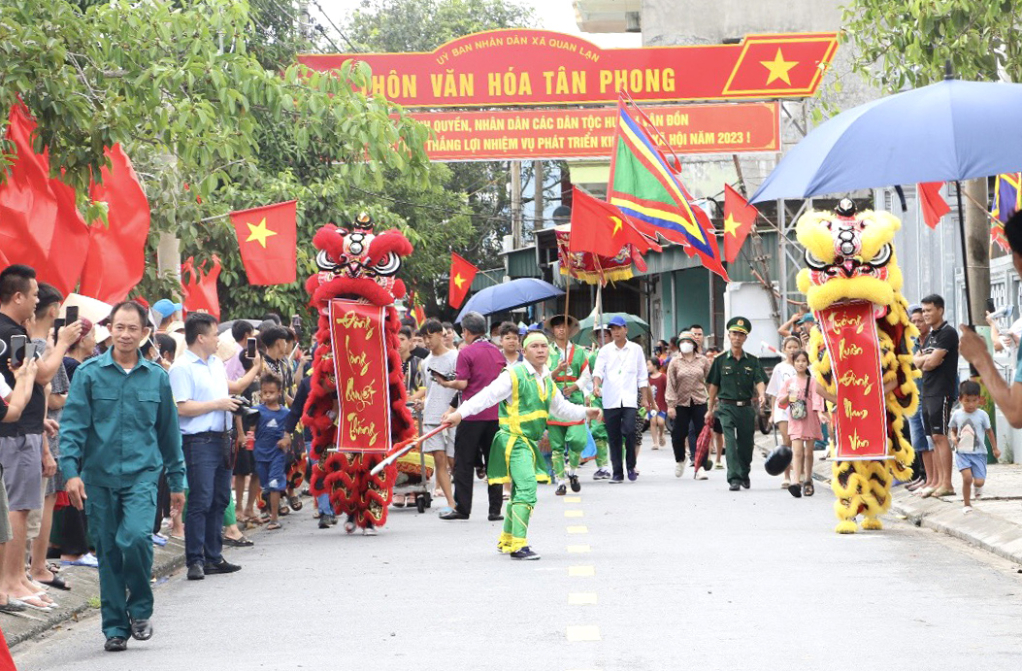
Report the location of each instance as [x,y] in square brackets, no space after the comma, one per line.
[360,367]
[860,418]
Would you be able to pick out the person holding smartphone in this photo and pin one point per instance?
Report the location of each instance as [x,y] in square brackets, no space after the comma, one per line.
[440,366]
[24,457]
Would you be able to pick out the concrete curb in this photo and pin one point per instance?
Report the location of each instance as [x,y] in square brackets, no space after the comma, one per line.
[988,532]
[75,605]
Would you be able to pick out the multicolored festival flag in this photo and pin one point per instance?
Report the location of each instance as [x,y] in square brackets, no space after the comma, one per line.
[646,187]
[268,240]
[462,275]
[739,218]
[1007,201]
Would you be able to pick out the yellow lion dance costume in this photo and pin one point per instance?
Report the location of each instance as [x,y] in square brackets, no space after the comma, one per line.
[850,257]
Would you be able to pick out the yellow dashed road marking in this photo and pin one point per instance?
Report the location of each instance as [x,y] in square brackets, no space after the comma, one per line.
[583,633]
[578,530]
[573,499]
[582,598]
[581,571]
[579,549]
[573,513]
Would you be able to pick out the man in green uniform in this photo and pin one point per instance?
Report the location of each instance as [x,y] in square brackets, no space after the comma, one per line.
[569,368]
[601,336]
[733,380]
[527,397]
[118,431]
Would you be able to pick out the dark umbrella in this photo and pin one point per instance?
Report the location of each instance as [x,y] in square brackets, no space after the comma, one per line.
[508,296]
[949,131]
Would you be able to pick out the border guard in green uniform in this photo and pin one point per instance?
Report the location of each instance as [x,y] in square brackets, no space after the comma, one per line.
[734,379]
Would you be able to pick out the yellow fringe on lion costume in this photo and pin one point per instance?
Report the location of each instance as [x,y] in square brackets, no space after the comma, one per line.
[850,257]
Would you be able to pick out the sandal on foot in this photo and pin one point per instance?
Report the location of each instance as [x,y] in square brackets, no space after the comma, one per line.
[808,489]
[786,484]
[273,526]
[295,503]
[795,490]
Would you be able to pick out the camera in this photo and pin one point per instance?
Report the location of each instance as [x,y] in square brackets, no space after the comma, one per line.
[245,408]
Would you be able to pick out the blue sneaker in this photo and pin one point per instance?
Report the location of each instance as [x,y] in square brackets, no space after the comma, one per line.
[633,475]
[525,553]
[617,479]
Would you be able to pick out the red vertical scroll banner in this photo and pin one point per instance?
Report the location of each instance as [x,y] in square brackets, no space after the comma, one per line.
[360,367]
[850,333]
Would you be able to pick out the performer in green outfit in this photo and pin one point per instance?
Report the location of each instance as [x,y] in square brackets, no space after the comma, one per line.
[601,336]
[527,398]
[733,379]
[569,368]
[118,432]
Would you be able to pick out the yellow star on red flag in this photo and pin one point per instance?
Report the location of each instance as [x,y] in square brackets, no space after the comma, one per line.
[459,280]
[259,233]
[779,68]
[731,226]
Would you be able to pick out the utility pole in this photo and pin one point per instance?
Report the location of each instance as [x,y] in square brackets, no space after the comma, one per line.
[977,249]
[516,203]
[537,170]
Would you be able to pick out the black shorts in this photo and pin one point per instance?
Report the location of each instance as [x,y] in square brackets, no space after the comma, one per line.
[717,428]
[245,463]
[936,414]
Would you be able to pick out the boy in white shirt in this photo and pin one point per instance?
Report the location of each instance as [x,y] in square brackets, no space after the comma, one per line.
[967,428]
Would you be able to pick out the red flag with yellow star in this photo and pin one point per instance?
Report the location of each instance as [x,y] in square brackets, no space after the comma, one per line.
[739,217]
[268,240]
[462,274]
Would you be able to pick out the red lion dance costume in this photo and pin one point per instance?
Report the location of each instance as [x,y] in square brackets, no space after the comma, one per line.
[360,266]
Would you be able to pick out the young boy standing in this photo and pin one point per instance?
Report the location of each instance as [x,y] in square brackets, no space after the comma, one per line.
[967,428]
[439,365]
[271,444]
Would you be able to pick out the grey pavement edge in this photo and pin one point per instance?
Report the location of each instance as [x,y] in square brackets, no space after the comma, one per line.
[992,533]
[83,599]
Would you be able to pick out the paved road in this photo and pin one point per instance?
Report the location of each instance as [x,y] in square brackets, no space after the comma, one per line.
[660,574]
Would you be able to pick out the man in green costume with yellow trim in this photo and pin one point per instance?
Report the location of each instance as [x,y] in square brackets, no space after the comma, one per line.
[569,368]
[527,398]
[601,336]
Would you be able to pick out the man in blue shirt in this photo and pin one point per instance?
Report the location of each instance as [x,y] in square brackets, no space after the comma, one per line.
[205,406]
[118,432]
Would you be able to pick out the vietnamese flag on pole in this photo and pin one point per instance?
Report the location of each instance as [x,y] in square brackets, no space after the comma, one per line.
[268,240]
[603,229]
[934,205]
[462,275]
[115,262]
[739,218]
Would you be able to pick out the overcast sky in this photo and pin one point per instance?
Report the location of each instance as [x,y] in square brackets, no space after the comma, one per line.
[557,15]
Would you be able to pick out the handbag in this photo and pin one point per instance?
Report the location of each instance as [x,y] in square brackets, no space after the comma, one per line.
[798,409]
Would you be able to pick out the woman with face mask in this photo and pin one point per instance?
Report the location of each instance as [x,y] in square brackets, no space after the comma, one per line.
[686,399]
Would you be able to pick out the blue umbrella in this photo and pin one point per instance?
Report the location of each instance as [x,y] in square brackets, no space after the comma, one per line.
[509,295]
[949,131]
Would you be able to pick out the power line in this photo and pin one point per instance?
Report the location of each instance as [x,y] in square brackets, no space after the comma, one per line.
[334,25]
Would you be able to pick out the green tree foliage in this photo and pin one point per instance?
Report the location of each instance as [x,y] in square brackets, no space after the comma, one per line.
[204,118]
[908,42]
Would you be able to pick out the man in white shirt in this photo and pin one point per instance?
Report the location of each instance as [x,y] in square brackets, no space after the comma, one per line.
[619,375]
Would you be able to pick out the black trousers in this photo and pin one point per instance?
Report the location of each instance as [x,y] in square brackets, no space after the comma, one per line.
[472,441]
[688,423]
[620,423]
